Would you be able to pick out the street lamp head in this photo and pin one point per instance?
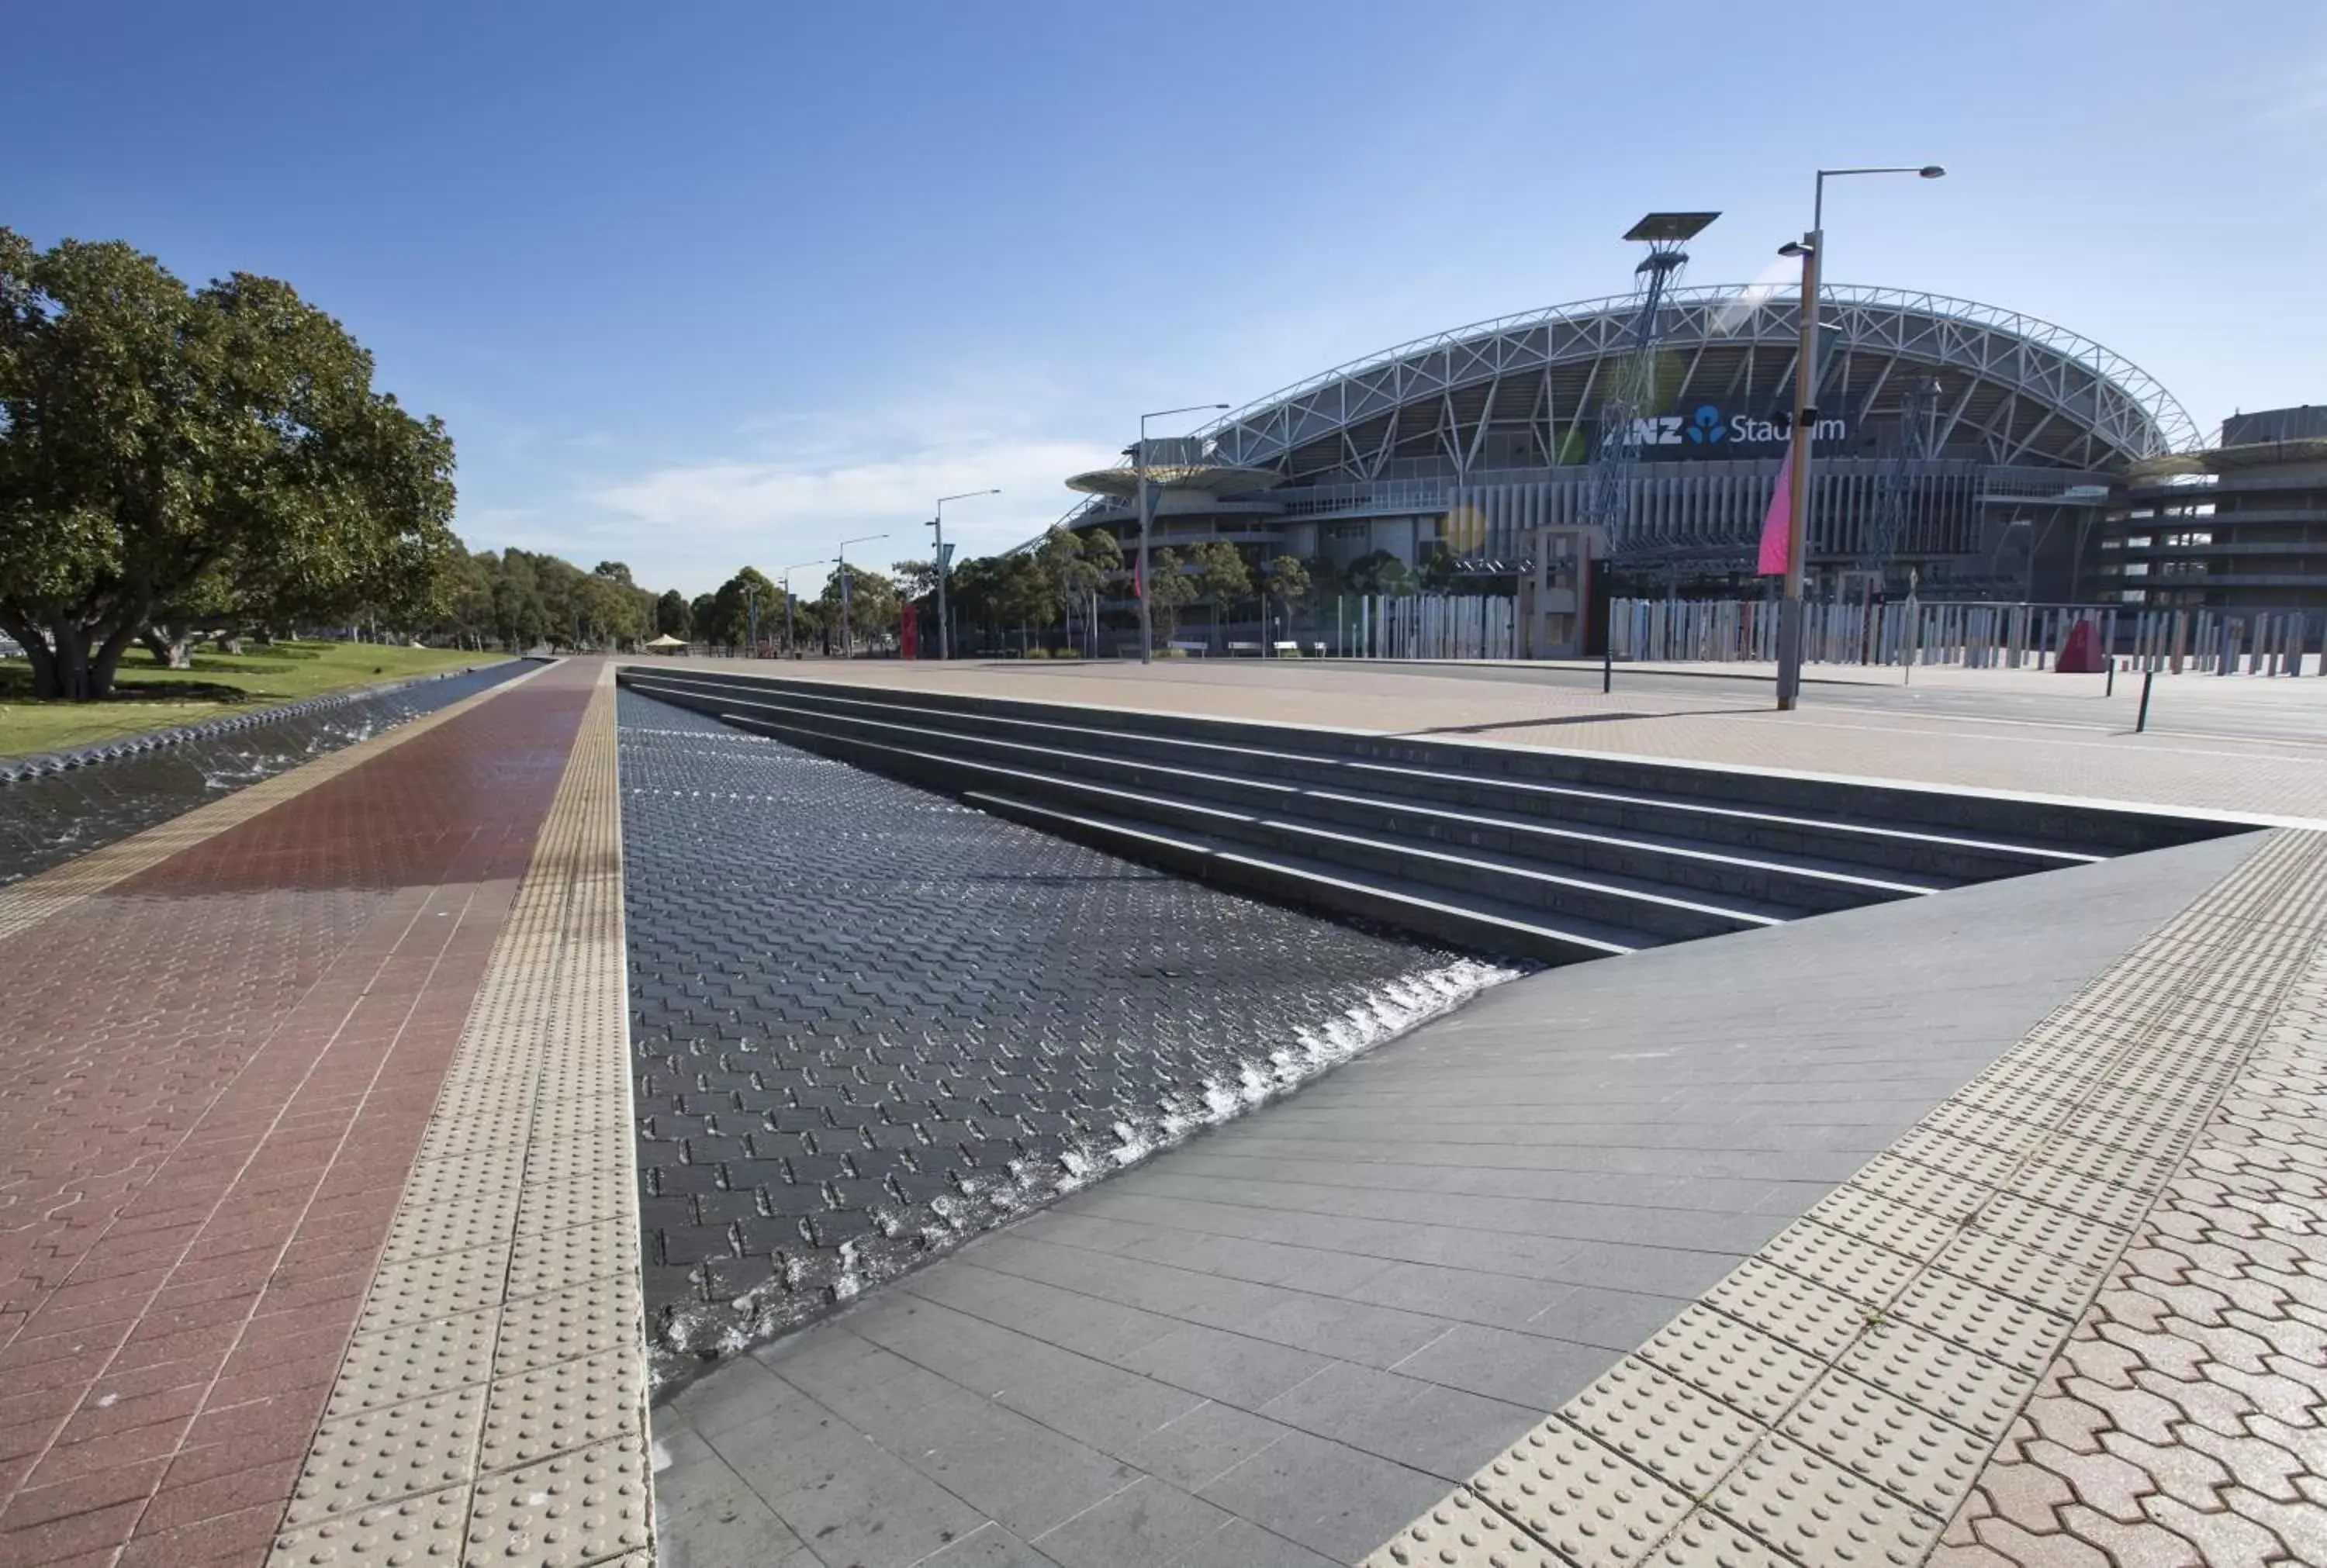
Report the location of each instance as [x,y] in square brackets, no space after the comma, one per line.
[1794,247]
[1932,172]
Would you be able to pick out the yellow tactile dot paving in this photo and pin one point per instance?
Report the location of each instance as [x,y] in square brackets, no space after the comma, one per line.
[2108,1254]
[1685,1438]
[1461,1532]
[491,1408]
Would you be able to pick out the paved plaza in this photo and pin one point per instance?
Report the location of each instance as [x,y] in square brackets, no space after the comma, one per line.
[1980,1228]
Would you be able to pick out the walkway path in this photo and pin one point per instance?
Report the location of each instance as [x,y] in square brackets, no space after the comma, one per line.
[228,1039]
[1279,1343]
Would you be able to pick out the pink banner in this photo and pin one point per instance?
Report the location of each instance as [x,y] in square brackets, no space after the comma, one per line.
[1776,527]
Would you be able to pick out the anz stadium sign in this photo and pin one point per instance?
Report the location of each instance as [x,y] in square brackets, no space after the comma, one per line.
[1705,431]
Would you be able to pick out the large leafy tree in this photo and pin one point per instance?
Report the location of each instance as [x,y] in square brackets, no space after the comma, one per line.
[672,617]
[166,454]
[872,603]
[733,609]
[1286,579]
[1221,576]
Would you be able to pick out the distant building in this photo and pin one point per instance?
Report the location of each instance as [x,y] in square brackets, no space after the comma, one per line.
[2241,526]
[1973,449]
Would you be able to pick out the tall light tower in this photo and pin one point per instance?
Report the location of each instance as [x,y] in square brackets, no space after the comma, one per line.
[847,640]
[1146,522]
[791,645]
[1812,249]
[1631,397]
[945,640]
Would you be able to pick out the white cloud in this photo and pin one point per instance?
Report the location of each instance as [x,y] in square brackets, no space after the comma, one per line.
[801,486]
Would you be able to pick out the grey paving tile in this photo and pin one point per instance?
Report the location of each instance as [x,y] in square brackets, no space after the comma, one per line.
[1464,1295]
[736,1393]
[1019,1473]
[1445,1432]
[1527,1371]
[1649,1269]
[1331,1498]
[1245,1544]
[1352,1330]
[856,1503]
[740,1531]
[1612,1318]
[1146,1525]
[1204,1445]
[1233,1369]
[1094,1402]
[989,1547]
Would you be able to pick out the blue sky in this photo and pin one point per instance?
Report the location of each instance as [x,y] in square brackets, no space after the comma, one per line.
[698,285]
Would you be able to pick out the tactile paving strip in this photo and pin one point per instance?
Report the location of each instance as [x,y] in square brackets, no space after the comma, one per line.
[1836,1398]
[491,1408]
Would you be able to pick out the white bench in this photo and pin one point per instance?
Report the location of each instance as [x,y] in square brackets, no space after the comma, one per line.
[1236,648]
[1192,649]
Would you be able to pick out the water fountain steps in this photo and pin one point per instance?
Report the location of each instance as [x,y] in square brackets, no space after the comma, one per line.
[1559,857]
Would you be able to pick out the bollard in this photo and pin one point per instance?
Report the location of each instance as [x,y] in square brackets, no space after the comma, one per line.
[2141,719]
[1608,667]
[2110,690]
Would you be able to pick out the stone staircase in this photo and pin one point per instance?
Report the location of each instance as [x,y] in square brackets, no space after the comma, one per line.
[1555,856]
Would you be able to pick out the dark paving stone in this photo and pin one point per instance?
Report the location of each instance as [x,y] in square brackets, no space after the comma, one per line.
[870,1023]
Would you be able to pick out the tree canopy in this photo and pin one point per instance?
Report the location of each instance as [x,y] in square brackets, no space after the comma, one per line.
[168,455]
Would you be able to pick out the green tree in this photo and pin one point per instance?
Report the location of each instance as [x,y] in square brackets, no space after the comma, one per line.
[1171,589]
[733,607]
[872,606]
[1379,573]
[1221,576]
[673,617]
[1286,579]
[914,579]
[167,453]
[1084,568]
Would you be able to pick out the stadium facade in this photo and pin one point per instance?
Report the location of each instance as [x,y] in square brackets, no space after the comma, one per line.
[1977,453]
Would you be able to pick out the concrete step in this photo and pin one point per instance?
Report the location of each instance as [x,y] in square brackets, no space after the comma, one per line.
[1476,924]
[1821,865]
[1643,912]
[1972,816]
[1551,855]
[1750,887]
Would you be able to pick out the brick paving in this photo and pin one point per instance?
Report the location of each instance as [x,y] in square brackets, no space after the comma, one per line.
[2186,1420]
[222,1057]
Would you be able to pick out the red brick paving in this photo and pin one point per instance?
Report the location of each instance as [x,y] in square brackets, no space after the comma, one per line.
[217,1075]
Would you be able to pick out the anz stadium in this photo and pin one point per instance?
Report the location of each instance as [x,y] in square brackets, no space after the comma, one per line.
[1971,448]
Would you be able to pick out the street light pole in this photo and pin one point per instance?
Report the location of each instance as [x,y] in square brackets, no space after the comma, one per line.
[1811,249]
[1145,583]
[791,644]
[847,640]
[945,639]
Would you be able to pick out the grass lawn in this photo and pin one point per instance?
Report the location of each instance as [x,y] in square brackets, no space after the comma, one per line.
[146,697]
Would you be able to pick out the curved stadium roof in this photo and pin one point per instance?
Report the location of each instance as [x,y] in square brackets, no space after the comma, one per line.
[2013,390]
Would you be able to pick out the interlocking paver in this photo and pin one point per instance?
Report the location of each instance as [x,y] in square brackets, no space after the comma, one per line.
[202,1165]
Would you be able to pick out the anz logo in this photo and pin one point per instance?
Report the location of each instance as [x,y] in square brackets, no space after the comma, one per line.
[1706,427]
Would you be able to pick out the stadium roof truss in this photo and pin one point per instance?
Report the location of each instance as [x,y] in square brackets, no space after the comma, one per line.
[1516,392]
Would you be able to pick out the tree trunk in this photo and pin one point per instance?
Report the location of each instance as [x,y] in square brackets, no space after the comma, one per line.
[37,653]
[167,644]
